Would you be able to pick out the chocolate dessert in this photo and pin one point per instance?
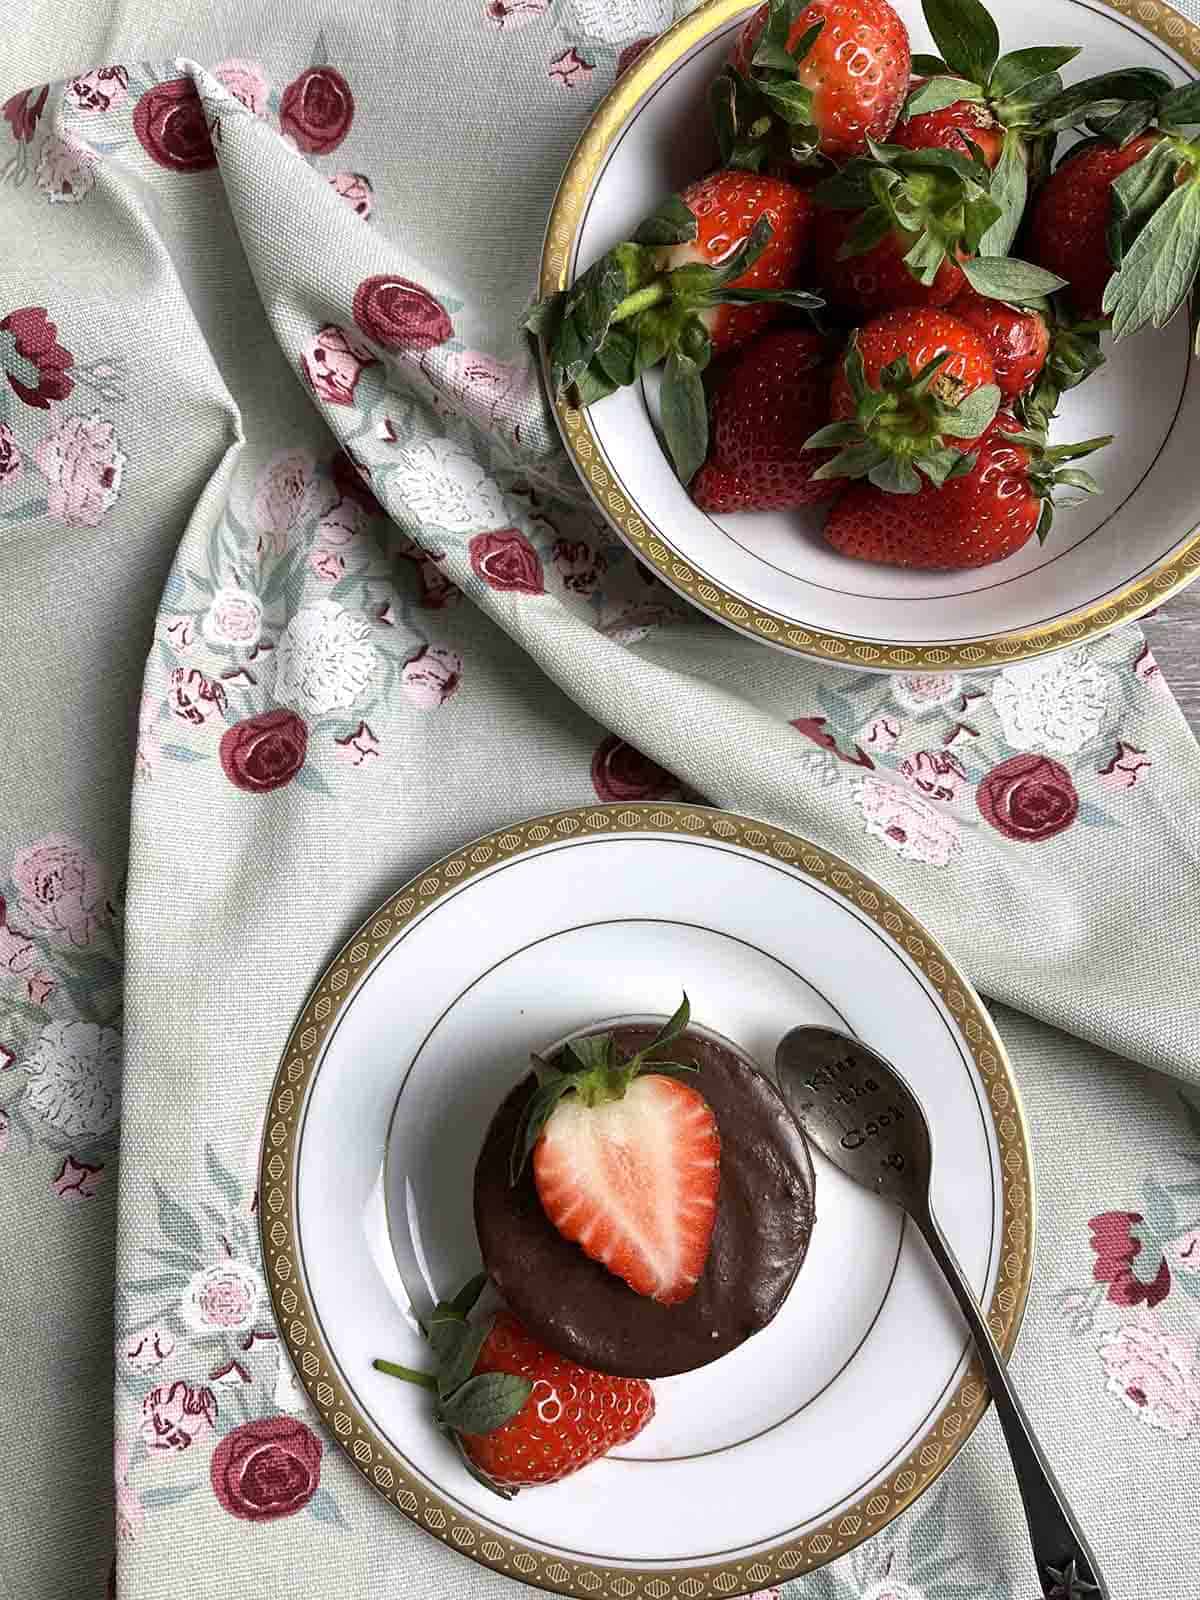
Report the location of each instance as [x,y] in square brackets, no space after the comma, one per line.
[764,1217]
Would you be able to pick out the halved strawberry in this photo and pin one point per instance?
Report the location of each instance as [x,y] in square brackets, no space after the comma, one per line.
[627,1162]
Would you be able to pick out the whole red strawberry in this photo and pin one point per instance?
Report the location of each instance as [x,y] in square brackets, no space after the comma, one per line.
[850,61]
[571,1418]
[727,206]
[950,127]
[763,410]
[878,280]
[913,392]
[521,1414]
[1017,339]
[973,520]
[1068,224]
[627,1162]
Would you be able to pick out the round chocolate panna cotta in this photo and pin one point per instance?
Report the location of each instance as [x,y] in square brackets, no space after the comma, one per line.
[764,1219]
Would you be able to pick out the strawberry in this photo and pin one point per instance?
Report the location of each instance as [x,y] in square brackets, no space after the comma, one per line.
[627,1162]
[1074,354]
[1017,338]
[903,228]
[973,520]
[913,393]
[953,127]
[702,274]
[814,81]
[764,409]
[520,1414]
[727,206]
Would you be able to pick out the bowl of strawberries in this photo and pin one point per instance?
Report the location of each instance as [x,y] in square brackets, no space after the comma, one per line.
[867,328]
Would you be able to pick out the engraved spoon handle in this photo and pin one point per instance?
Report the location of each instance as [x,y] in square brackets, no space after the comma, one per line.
[1066,1566]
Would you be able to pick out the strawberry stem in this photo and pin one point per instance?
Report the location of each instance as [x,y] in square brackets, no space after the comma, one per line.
[426,1380]
[641,300]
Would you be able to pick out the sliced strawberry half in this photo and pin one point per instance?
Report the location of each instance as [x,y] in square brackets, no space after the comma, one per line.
[627,1162]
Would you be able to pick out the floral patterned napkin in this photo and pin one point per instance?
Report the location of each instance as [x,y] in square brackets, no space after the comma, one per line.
[291,556]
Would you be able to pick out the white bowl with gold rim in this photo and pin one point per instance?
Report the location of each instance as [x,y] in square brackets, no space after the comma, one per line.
[771,575]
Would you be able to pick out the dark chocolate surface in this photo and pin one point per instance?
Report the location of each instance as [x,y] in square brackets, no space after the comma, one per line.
[764,1220]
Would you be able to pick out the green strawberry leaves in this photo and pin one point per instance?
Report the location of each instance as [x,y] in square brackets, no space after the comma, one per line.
[577,323]
[684,413]
[1160,266]
[1018,283]
[1105,94]
[750,112]
[1048,471]
[673,223]
[905,427]
[597,1074]
[935,94]
[1009,190]
[1073,356]
[1022,68]
[966,35]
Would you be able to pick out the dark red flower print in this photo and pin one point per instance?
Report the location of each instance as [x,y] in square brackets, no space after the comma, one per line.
[171,127]
[103,89]
[619,772]
[23,111]
[1028,797]
[264,752]
[354,483]
[1115,1247]
[399,314]
[814,728]
[78,1180]
[317,109]
[579,565]
[36,338]
[266,1469]
[631,52]
[505,559]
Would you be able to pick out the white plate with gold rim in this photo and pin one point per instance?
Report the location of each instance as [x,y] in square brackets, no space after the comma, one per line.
[818,1430]
[771,575]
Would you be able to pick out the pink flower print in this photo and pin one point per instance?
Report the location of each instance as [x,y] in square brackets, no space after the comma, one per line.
[131,1516]
[1126,769]
[508,15]
[195,698]
[1148,671]
[431,677]
[385,614]
[1116,1248]
[11,459]
[355,189]
[63,889]
[1152,1375]
[579,566]
[437,590]
[357,748]
[39,986]
[231,1375]
[880,734]
[936,773]
[66,170]
[23,111]
[327,565]
[77,1180]
[5,1125]
[490,392]
[906,824]
[7,1057]
[960,733]
[923,691]
[226,1296]
[570,69]
[145,1351]
[179,632]
[246,81]
[83,465]
[102,89]
[18,953]
[176,1417]
[631,53]
[283,496]
[333,361]
[506,560]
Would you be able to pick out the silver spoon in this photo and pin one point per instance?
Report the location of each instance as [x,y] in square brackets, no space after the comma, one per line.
[861,1115]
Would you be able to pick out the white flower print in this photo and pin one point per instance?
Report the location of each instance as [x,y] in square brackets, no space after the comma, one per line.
[443,485]
[325,658]
[924,691]
[234,617]
[616,22]
[75,1078]
[906,823]
[66,170]
[224,1298]
[1059,703]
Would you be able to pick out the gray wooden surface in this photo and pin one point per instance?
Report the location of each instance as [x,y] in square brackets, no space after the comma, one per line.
[1174,635]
